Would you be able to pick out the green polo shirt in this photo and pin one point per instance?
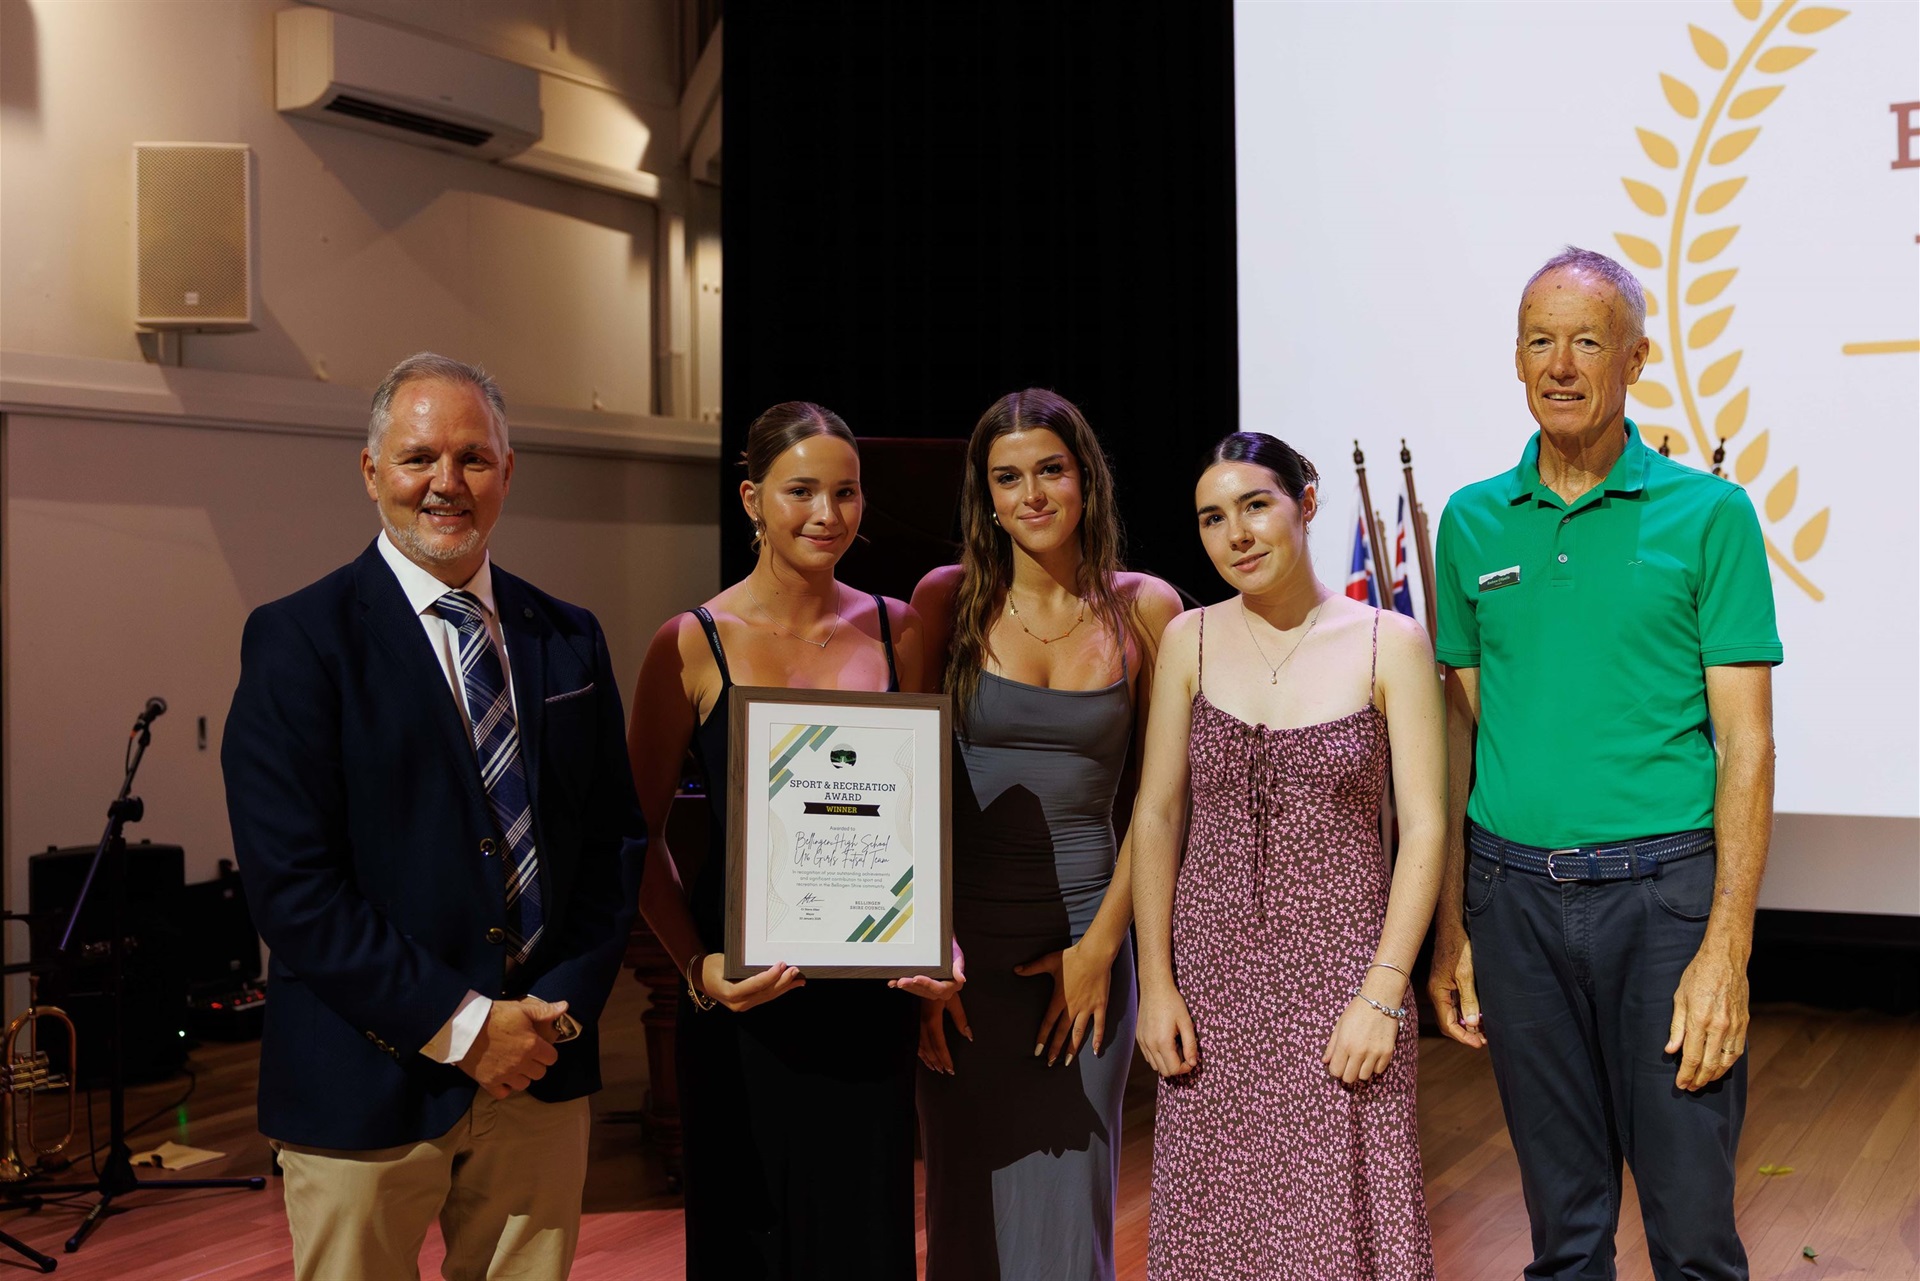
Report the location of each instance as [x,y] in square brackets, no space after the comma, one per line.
[1593,625]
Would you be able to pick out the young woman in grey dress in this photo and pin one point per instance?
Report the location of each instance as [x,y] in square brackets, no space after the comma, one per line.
[1048,649]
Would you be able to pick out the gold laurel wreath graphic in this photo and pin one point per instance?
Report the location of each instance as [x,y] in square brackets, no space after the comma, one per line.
[1715,147]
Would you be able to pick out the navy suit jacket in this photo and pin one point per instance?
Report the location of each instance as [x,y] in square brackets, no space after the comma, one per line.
[358,814]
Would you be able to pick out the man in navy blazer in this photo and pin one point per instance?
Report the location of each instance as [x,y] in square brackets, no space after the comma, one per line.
[427,779]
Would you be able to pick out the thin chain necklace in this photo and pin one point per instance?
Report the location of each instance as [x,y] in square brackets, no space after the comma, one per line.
[838,618]
[1045,640]
[1246,618]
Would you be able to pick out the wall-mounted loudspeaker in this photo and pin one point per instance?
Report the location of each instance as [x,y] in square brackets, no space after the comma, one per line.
[193,235]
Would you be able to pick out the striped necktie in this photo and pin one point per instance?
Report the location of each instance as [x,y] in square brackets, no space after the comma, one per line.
[496,744]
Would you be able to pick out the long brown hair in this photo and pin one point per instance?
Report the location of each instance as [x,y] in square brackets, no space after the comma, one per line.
[986,550]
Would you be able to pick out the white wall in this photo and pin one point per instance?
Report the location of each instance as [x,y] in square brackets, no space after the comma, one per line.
[148,510]
[134,552]
[369,248]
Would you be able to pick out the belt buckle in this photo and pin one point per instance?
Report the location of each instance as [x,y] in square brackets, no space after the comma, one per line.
[1555,876]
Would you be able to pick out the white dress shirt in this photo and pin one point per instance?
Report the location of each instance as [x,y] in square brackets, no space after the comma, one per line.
[456,1036]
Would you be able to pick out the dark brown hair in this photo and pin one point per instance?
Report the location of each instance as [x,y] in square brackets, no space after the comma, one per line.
[780,429]
[1287,464]
[986,550]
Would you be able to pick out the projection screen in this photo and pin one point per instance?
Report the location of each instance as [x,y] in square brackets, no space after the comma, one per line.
[1403,168]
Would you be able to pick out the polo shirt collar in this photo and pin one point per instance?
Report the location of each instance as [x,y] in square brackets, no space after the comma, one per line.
[1627,476]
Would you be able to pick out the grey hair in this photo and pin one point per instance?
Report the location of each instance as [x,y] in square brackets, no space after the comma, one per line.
[431,366]
[1624,282]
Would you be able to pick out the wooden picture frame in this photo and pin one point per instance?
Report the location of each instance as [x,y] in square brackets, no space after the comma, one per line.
[839,831]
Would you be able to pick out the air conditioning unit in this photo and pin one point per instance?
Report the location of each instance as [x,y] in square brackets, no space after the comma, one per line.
[358,74]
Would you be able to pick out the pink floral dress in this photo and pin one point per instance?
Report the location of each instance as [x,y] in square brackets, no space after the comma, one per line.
[1263,1164]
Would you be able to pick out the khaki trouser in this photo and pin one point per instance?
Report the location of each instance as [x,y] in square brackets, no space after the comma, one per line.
[505,1184]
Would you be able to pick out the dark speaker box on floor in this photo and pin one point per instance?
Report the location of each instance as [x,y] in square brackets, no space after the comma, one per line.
[155,978]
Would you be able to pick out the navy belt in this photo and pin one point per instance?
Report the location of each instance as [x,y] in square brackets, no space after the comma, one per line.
[1614,861]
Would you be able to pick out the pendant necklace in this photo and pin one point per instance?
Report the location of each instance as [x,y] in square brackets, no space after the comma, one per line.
[838,618]
[1274,679]
[1046,640]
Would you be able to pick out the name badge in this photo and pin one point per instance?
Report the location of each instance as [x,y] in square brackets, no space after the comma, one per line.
[1500,578]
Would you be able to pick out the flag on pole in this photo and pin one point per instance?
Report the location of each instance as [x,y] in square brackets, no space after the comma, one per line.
[1360,577]
[1402,597]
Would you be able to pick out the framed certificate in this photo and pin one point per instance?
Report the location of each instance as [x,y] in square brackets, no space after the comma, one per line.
[839,839]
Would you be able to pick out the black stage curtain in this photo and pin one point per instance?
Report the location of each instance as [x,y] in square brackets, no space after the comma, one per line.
[927,206]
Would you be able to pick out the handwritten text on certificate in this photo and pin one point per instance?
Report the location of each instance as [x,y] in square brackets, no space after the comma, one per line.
[840,834]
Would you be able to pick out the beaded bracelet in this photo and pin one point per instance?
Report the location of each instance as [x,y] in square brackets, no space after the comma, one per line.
[1396,1013]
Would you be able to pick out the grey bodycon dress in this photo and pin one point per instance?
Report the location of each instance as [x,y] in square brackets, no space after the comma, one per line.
[1023,1160]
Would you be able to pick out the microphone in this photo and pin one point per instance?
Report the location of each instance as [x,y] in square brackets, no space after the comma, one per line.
[155,709]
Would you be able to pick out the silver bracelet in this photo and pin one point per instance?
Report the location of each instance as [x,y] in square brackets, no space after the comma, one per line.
[1388,965]
[1396,1013]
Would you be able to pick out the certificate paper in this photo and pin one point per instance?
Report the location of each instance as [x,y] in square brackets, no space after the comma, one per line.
[838,833]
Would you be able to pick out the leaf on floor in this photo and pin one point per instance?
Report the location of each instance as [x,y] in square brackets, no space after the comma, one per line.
[1776,1169]
[1807,1252]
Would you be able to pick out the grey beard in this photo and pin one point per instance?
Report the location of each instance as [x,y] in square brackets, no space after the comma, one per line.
[407,539]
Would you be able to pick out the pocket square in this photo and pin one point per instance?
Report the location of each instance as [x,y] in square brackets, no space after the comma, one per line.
[572,693]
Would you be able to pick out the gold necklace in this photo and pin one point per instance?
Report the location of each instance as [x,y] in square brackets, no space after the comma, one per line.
[838,618]
[1046,640]
[1311,623]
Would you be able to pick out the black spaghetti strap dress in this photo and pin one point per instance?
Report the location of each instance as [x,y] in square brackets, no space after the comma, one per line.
[798,1115]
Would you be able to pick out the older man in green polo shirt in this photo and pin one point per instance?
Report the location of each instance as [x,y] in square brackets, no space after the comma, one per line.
[1607,616]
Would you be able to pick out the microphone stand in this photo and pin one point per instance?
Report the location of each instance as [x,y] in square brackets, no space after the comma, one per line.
[116,1177]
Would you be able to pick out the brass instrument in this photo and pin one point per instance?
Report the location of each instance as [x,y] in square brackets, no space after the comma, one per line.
[26,1076]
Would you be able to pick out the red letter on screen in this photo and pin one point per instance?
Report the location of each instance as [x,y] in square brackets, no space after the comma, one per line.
[1908,130]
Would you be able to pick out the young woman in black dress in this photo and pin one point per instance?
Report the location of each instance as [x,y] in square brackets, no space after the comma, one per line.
[796,1099]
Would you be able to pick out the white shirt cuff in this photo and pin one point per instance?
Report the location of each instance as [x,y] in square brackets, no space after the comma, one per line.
[455,1037]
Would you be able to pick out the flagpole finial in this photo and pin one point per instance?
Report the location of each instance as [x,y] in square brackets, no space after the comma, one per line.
[1359,459]
[1406,455]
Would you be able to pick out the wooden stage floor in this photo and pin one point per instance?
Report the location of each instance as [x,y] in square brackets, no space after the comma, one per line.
[1836,1097]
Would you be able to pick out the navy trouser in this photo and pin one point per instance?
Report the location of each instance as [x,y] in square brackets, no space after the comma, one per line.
[1576,984]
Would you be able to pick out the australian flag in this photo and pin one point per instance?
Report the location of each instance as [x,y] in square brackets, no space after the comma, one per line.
[1360,577]
[1402,597]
